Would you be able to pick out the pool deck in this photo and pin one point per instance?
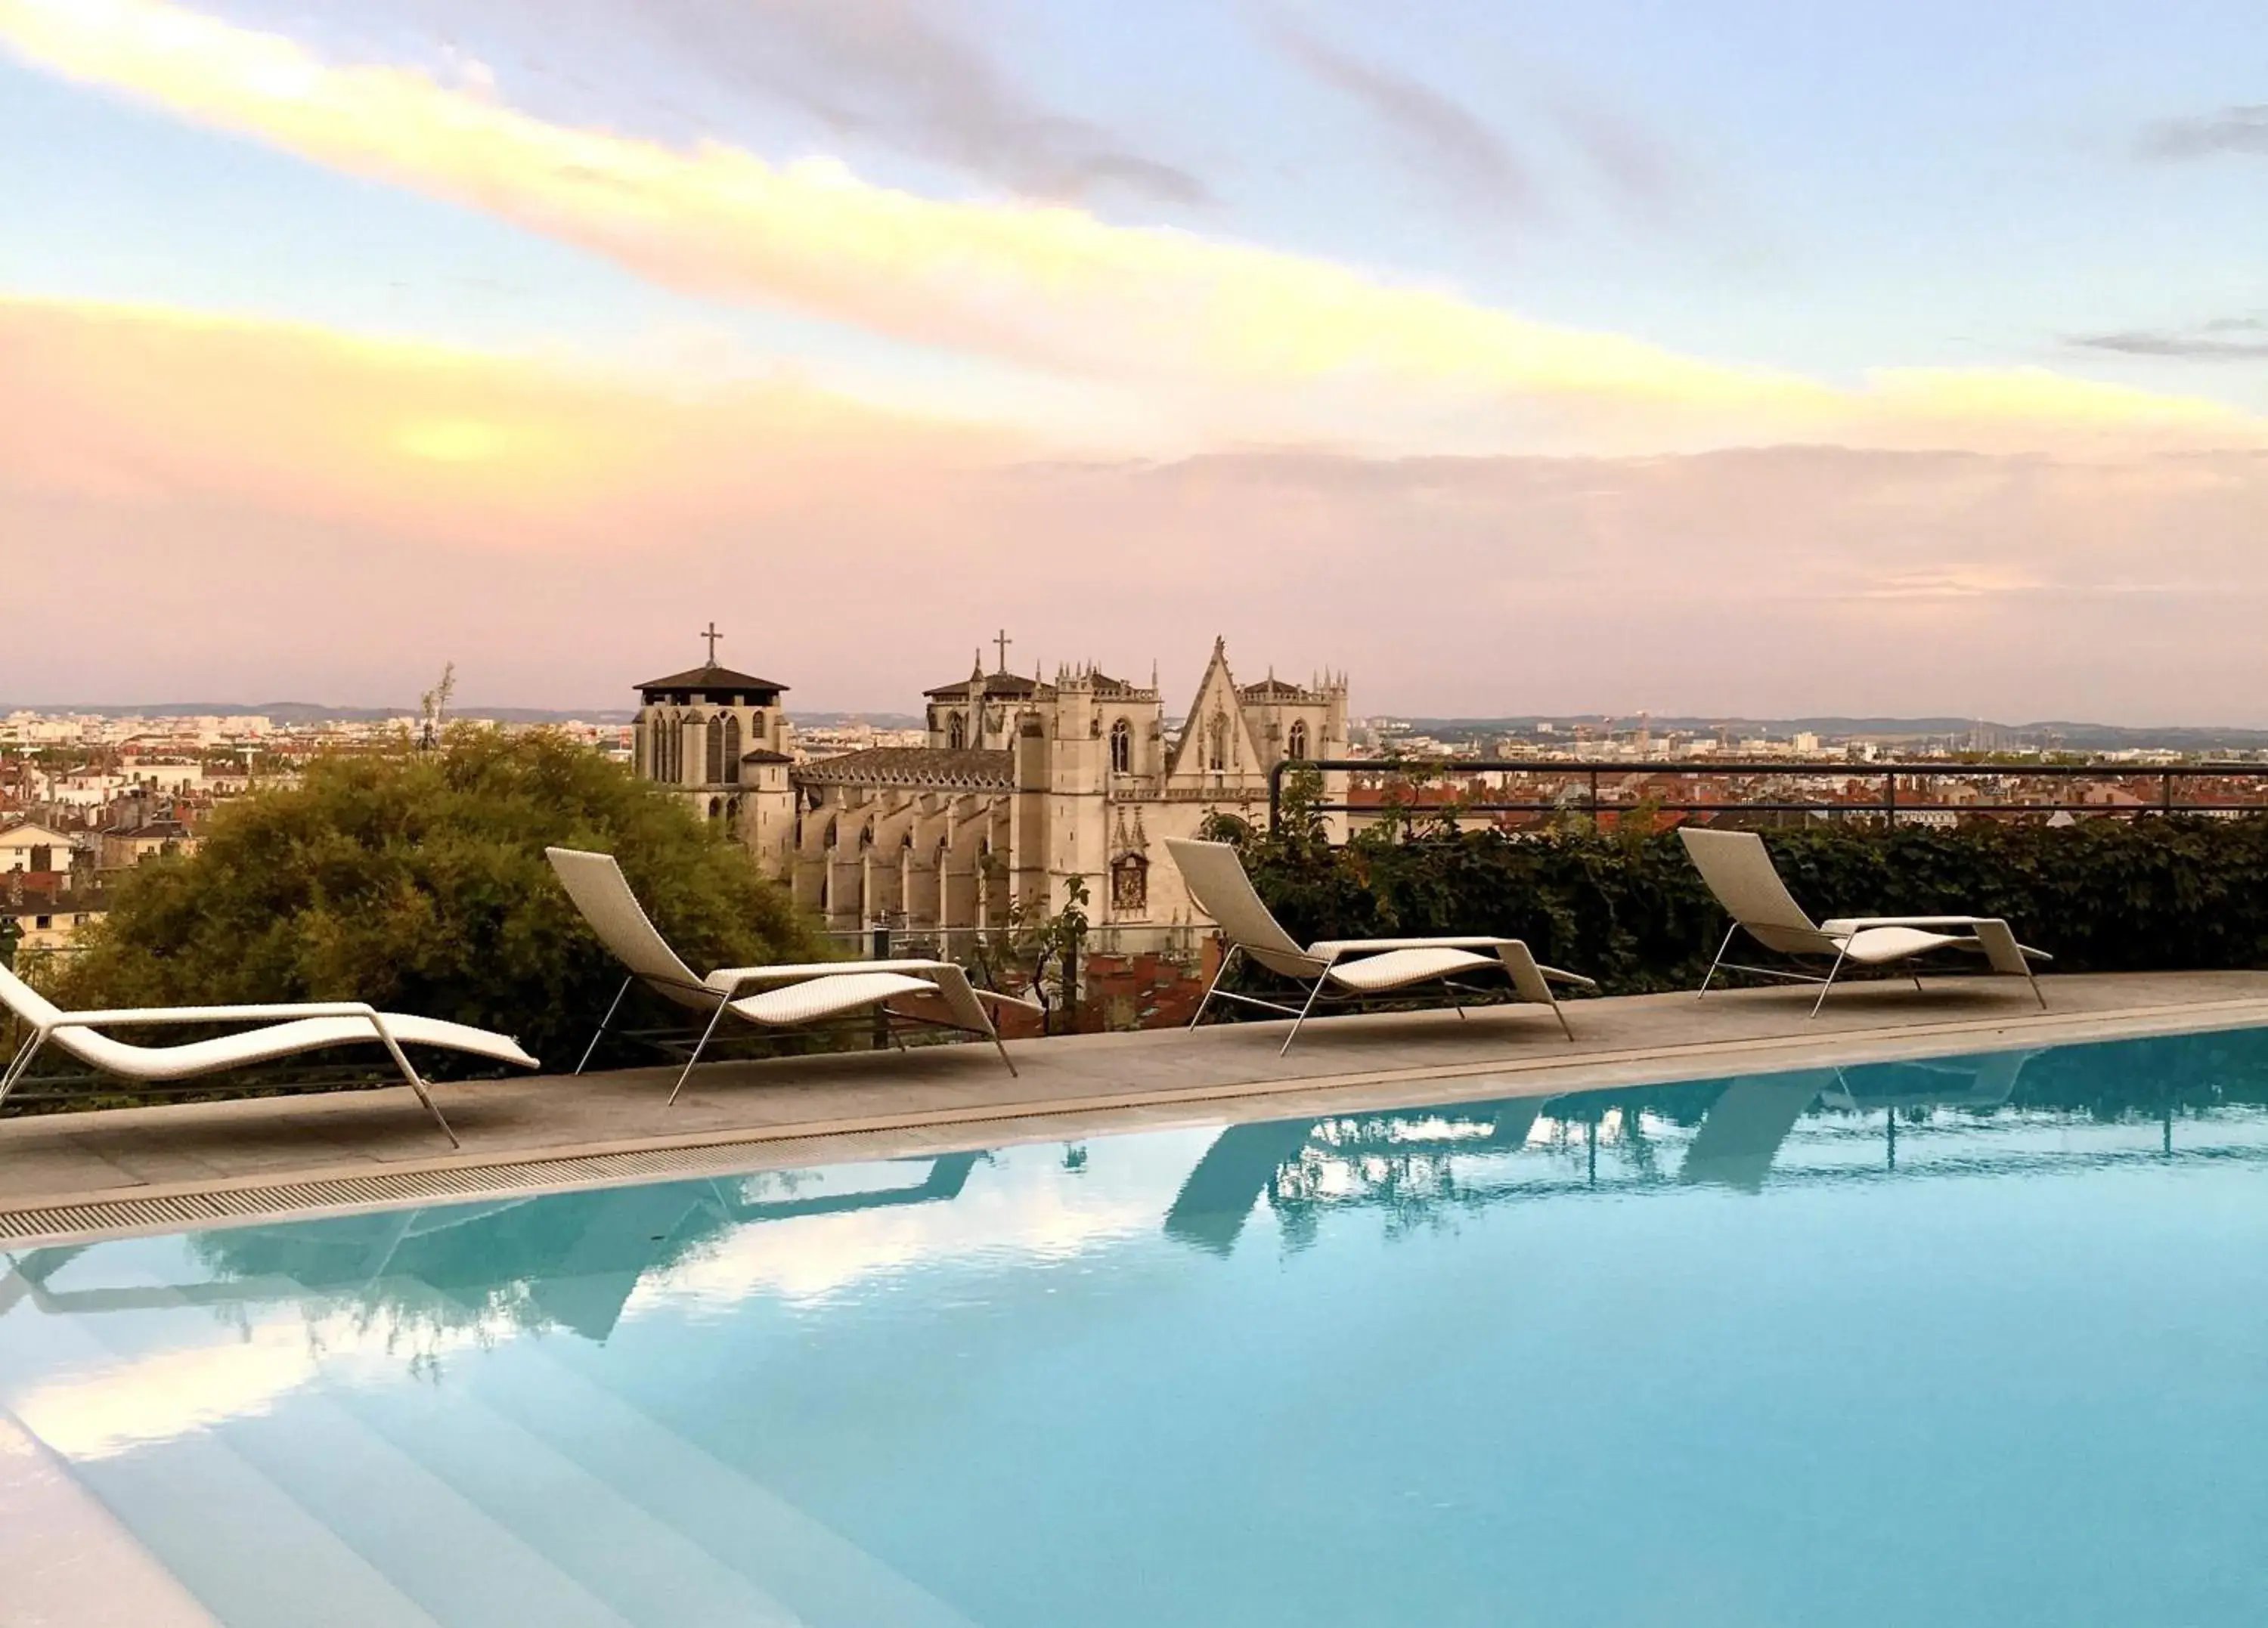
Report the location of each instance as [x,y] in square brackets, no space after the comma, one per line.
[864,1105]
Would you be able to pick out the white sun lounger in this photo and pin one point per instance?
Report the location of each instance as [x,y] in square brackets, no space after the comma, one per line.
[1344,968]
[783,997]
[1738,869]
[288,1030]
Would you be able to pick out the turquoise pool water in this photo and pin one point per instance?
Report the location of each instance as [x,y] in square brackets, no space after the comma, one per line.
[1980,1341]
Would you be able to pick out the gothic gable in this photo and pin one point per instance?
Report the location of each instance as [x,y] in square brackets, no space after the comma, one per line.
[1215,731]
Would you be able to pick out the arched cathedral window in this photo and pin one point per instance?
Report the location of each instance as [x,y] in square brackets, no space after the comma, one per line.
[732,775]
[716,764]
[1217,758]
[1295,744]
[1122,747]
[956,731]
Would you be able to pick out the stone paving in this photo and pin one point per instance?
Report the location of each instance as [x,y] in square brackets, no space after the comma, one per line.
[806,1109]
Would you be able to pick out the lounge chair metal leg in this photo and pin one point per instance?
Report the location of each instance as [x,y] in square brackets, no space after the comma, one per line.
[416,1083]
[2037,992]
[605,1023]
[716,1018]
[1226,960]
[1000,1046]
[1314,995]
[1830,984]
[21,1061]
[1560,1012]
[1721,948]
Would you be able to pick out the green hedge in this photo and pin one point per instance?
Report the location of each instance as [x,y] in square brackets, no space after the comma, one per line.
[2105,895]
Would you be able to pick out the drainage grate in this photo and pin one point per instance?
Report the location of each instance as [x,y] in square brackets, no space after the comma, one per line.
[174,1210]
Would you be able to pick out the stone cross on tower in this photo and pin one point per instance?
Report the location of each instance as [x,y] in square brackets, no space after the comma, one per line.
[712,635]
[1004,641]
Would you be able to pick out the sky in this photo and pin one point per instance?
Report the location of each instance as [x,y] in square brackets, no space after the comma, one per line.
[1738,359]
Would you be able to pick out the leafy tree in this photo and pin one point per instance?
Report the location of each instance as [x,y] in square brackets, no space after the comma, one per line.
[416,881]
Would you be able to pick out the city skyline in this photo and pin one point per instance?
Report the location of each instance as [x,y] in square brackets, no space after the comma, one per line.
[1863,365]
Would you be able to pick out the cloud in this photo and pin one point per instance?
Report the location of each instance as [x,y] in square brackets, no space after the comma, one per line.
[1446,140]
[893,72]
[2225,339]
[146,406]
[1631,161]
[237,495]
[1219,340]
[2242,130]
[1452,145]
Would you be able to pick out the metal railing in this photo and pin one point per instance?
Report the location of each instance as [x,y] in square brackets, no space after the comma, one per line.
[1591,776]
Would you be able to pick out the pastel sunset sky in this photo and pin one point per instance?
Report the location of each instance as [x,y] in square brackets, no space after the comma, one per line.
[1738,357]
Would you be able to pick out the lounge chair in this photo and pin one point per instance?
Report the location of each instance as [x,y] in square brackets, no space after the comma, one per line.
[788,996]
[287,1032]
[1343,969]
[1739,871]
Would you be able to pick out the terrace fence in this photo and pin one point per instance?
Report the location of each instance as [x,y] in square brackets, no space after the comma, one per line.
[1587,786]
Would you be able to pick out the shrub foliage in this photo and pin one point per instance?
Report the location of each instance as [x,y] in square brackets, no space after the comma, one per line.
[416,881]
[2103,895]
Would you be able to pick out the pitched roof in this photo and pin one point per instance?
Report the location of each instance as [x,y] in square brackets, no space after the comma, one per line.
[154,831]
[913,766]
[33,829]
[1273,688]
[765,754]
[39,902]
[1006,684]
[713,677]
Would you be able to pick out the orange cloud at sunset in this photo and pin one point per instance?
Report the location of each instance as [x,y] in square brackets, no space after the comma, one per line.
[144,406]
[1242,341]
[280,510]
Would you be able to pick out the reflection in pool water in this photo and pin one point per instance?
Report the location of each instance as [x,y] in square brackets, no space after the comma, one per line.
[1965,1340]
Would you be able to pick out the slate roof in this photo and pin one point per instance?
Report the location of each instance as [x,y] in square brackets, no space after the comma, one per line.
[714,677]
[1105,685]
[1274,689]
[1001,683]
[968,769]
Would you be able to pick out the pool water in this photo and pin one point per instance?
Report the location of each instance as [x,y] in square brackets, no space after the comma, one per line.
[1978,1340]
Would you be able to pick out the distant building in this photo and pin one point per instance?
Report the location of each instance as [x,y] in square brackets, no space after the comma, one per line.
[1021,784]
[30,846]
[47,909]
[125,846]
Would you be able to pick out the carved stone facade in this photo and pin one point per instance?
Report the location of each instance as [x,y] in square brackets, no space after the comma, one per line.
[1024,784]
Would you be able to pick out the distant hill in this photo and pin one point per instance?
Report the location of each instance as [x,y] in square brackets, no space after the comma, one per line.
[318,712]
[314,712]
[2072,735]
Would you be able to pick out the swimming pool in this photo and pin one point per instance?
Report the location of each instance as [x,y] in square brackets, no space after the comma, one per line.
[1975,1340]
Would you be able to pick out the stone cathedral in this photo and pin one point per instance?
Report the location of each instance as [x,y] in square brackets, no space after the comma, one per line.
[1022,784]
